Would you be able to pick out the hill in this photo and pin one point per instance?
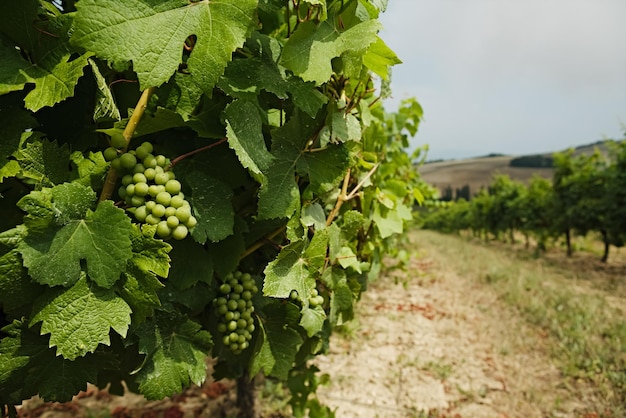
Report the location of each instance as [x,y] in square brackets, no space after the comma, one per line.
[476,173]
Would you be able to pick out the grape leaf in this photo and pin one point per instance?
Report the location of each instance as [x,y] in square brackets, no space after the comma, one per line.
[276,349]
[313,215]
[175,349]
[341,300]
[45,162]
[289,271]
[78,319]
[149,255]
[53,66]
[140,290]
[391,221]
[313,320]
[379,57]
[311,48]
[243,129]
[117,30]
[90,170]
[105,108]
[279,196]
[191,263]
[54,256]
[17,291]
[212,207]
[324,168]
[13,122]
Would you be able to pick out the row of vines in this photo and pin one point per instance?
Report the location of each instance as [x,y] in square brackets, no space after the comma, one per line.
[183,179]
[587,194]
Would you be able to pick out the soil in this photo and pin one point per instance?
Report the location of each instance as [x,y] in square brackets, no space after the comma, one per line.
[425,342]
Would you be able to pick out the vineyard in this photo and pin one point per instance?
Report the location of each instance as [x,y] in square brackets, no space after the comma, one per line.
[587,195]
[183,179]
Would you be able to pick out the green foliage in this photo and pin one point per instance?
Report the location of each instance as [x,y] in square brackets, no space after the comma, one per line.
[293,172]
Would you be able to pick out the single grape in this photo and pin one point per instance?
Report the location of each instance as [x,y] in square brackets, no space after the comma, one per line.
[238,288]
[141,213]
[148,146]
[225,288]
[232,325]
[142,152]
[173,187]
[177,200]
[163,230]
[122,192]
[180,232]
[191,222]
[222,309]
[109,154]
[127,179]
[152,220]
[154,190]
[117,164]
[149,173]
[137,201]
[170,211]
[183,214]
[139,168]
[232,305]
[172,221]
[130,190]
[141,189]
[229,315]
[163,198]
[139,178]
[118,141]
[221,301]
[150,205]
[128,161]
[150,162]
[162,161]
[158,210]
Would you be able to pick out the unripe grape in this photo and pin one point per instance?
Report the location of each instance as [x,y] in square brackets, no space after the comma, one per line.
[238,288]
[163,230]
[221,301]
[154,190]
[161,178]
[117,164]
[130,190]
[180,232]
[127,161]
[232,305]
[141,213]
[232,325]
[139,178]
[163,198]
[222,309]
[172,221]
[171,174]
[150,162]
[118,141]
[150,205]
[158,210]
[183,214]
[170,211]
[191,222]
[229,315]
[127,179]
[152,220]
[161,161]
[122,192]
[148,146]
[141,189]
[137,201]
[225,288]
[177,201]
[141,152]
[149,173]
[139,168]
[109,154]
[241,305]
[226,340]
[172,187]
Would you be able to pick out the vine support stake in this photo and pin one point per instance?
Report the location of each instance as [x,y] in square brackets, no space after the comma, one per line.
[129,131]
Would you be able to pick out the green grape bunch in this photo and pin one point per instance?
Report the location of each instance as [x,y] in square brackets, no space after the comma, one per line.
[150,189]
[235,310]
[315,299]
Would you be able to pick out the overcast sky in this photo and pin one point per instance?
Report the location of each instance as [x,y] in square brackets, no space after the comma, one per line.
[507,76]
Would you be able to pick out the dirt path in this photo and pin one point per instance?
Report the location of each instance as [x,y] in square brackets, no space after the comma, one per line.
[435,344]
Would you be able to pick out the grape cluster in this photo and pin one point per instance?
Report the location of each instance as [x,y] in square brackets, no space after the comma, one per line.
[151,190]
[315,299]
[234,307]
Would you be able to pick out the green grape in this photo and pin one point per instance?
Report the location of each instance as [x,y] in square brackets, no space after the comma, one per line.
[148,146]
[141,189]
[221,301]
[149,173]
[150,162]
[177,200]
[154,190]
[162,161]
[140,213]
[172,187]
[109,154]
[241,305]
[226,340]
[222,309]
[158,210]
[191,222]
[122,192]
[130,190]
[163,230]
[180,232]
[163,198]
[170,211]
[127,179]
[127,161]
[139,168]
[232,325]
[152,220]
[183,214]
[229,315]
[142,152]
[238,288]
[150,205]
[139,178]
[242,323]
[137,201]
[161,178]
[172,221]
[246,295]
[118,141]
[117,164]
[232,305]
[225,288]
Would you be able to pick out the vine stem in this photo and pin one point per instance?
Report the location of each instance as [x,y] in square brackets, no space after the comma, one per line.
[344,196]
[262,242]
[129,131]
[196,151]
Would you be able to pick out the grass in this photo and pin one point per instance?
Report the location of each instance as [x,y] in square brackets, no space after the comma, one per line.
[585,332]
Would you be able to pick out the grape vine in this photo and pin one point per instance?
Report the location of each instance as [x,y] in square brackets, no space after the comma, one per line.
[291,183]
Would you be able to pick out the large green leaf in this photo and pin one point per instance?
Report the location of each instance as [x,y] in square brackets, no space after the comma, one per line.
[310,50]
[176,350]
[55,255]
[210,199]
[52,65]
[45,162]
[78,319]
[152,35]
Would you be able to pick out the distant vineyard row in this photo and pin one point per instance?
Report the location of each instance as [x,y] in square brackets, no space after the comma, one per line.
[587,193]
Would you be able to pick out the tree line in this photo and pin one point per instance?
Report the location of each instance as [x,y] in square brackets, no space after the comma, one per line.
[587,193]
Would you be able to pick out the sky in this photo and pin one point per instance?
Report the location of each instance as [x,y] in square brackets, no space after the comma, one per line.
[509,76]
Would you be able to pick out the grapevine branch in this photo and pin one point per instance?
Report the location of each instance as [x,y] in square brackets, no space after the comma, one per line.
[129,130]
[344,196]
[262,242]
[196,151]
